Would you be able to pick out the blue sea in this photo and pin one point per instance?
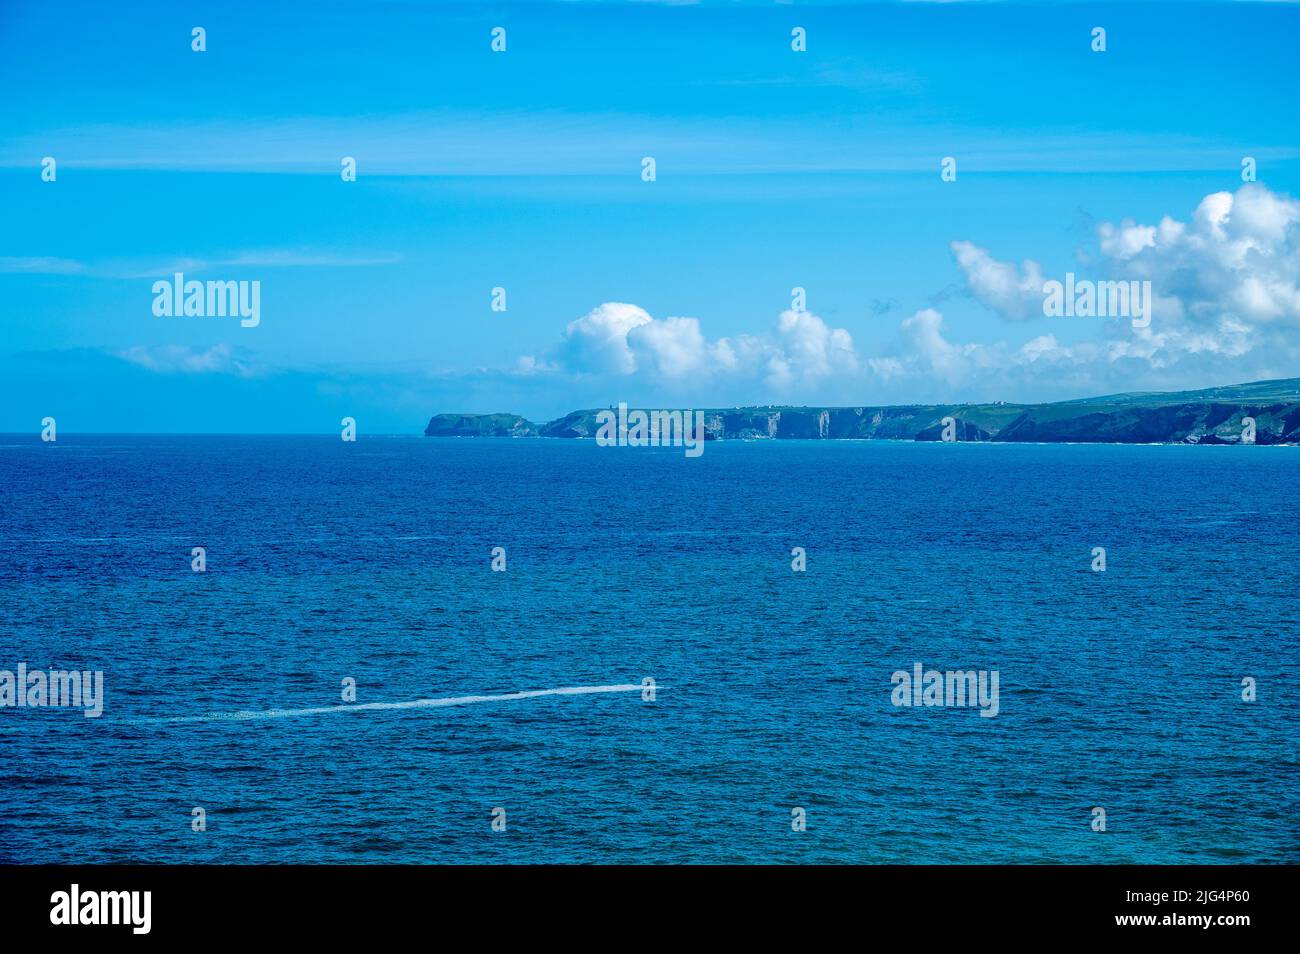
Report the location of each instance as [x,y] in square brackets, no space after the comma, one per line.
[372,560]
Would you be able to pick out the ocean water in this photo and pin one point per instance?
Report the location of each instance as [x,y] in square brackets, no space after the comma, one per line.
[326,560]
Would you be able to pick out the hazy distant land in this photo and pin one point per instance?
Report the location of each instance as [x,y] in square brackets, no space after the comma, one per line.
[1210,416]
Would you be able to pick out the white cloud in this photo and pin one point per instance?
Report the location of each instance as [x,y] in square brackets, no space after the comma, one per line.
[673,347]
[1238,260]
[1013,293]
[923,335]
[621,339]
[262,258]
[1226,289]
[597,342]
[1127,240]
[41,265]
[181,359]
[814,348]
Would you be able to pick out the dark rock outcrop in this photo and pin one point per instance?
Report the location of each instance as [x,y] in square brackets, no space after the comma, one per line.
[479,425]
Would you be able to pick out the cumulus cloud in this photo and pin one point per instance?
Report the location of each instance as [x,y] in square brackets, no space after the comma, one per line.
[1013,292]
[923,334]
[1225,286]
[1236,261]
[1226,292]
[1128,239]
[597,342]
[674,347]
[811,347]
[620,339]
[929,354]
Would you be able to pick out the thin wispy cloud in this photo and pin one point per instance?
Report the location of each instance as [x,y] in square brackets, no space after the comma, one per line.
[564,143]
[40,265]
[272,258]
[182,359]
[268,258]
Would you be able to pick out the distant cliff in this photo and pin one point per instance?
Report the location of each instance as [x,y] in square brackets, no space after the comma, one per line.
[479,425]
[1211,416]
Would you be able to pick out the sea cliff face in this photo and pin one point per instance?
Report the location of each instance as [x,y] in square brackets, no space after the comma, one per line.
[1190,423]
[479,425]
[1212,416]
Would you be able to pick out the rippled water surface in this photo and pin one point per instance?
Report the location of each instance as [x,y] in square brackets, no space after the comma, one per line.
[371,560]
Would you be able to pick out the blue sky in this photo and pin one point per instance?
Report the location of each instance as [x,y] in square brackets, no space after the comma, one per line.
[522,169]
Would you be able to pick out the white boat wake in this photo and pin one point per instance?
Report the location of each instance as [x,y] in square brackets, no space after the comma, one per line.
[251,714]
